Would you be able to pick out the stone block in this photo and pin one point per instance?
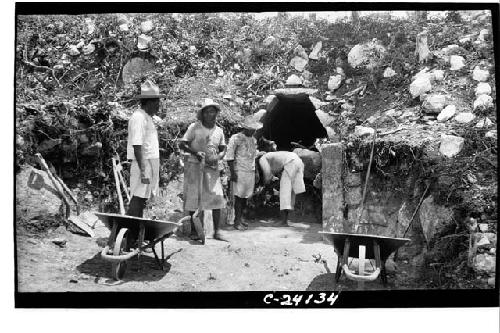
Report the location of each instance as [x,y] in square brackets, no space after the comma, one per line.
[353,196]
[484,263]
[332,185]
[353,179]
[433,217]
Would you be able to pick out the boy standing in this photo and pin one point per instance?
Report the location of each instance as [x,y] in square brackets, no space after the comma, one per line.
[240,156]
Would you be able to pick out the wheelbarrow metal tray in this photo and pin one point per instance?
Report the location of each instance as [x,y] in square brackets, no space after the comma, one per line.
[387,244]
[153,228]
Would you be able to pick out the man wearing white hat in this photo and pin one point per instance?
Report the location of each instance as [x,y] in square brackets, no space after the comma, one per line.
[240,156]
[143,149]
[204,141]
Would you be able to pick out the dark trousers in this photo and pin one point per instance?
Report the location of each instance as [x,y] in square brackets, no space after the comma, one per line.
[136,206]
[239,206]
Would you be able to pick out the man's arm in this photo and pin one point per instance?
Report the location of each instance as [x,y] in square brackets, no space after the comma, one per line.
[140,161]
[232,172]
[222,151]
[184,145]
[266,169]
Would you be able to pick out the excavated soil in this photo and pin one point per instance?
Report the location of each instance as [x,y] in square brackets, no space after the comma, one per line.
[261,258]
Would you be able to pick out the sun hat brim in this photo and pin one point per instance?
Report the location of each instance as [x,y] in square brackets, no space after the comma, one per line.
[252,126]
[149,96]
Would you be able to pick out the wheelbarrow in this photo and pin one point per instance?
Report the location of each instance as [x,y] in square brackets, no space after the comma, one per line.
[362,241]
[363,246]
[127,231]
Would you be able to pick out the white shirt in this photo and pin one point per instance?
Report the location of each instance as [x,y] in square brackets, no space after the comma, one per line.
[142,132]
[243,150]
[200,138]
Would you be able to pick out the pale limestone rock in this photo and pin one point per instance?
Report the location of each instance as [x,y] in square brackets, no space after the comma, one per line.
[420,86]
[479,74]
[456,62]
[464,117]
[316,50]
[147,26]
[483,88]
[298,63]
[450,145]
[447,113]
[389,72]
[362,131]
[434,103]
[334,82]
[486,122]
[483,102]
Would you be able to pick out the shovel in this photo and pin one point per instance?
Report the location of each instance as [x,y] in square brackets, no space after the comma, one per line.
[230,205]
[198,215]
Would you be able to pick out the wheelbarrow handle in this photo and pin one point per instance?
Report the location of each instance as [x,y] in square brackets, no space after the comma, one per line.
[113,258]
[352,276]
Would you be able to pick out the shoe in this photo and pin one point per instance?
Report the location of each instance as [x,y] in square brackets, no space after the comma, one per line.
[245,224]
[239,227]
[220,237]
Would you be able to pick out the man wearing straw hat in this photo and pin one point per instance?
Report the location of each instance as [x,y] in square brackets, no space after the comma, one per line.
[240,156]
[143,149]
[204,142]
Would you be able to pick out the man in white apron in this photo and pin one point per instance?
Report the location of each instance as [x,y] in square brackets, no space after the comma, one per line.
[143,149]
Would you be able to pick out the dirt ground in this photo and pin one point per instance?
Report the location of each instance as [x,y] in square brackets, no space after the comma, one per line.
[263,257]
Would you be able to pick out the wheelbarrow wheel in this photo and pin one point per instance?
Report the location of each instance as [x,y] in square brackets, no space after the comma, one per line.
[120,267]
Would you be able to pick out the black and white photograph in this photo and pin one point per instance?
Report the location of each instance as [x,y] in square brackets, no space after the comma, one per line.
[271,156]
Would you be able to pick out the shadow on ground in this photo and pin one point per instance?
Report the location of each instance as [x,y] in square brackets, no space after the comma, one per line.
[146,270]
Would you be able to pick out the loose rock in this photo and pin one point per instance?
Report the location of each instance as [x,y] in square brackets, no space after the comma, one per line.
[146,26]
[123,27]
[484,263]
[324,118]
[367,54]
[450,145]
[483,227]
[300,52]
[480,75]
[434,103]
[143,42]
[363,131]
[491,134]
[464,117]
[315,52]
[483,102]
[389,72]
[447,113]
[464,40]
[390,266]
[89,49]
[73,50]
[483,88]
[420,86]
[486,122]
[483,35]
[438,74]
[450,48]
[334,82]
[456,62]
[293,80]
